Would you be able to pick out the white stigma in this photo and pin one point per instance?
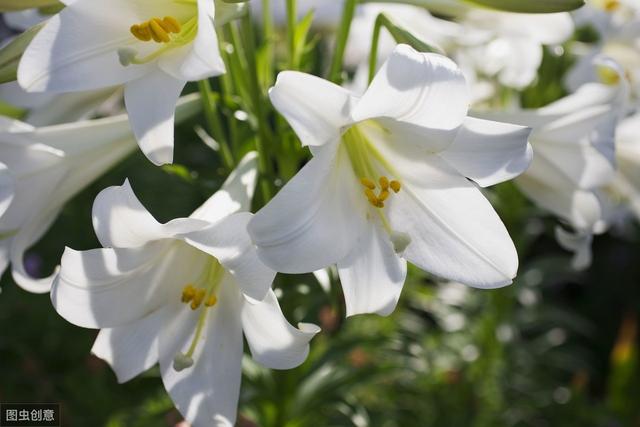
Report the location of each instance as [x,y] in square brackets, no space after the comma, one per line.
[400,241]
[182,362]
[127,55]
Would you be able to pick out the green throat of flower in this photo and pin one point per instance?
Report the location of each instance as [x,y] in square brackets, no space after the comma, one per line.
[367,162]
[200,295]
[168,33]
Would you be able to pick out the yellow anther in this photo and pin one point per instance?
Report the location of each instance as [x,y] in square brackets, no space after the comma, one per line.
[608,75]
[156,29]
[197,299]
[171,25]
[157,32]
[188,293]
[379,204]
[384,195]
[384,183]
[368,183]
[611,5]
[371,196]
[211,301]
[395,186]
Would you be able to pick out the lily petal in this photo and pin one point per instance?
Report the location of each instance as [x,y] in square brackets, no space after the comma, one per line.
[152,119]
[425,94]
[200,59]
[6,188]
[236,192]
[273,341]
[315,219]
[315,108]
[489,152]
[106,288]
[454,231]
[121,221]
[77,48]
[207,393]
[372,275]
[229,242]
[131,349]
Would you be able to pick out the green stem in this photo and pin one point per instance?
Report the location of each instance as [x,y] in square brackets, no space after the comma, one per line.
[341,40]
[291,32]
[269,37]
[375,39]
[214,124]
[263,137]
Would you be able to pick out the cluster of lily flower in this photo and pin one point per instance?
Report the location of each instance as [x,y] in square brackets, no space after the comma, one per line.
[397,172]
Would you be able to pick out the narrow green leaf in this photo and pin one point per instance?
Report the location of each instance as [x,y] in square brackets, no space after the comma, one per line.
[10,5]
[10,54]
[530,6]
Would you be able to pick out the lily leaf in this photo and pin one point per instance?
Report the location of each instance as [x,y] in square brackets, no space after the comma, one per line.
[12,5]
[530,6]
[10,54]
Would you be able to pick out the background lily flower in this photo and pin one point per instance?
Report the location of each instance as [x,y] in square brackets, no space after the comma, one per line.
[47,166]
[181,294]
[619,38]
[574,150]
[625,187]
[91,45]
[44,109]
[389,182]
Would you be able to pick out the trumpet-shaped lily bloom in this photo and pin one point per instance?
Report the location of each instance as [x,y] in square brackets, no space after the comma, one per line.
[626,185]
[390,182]
[44,168]
[618,23]
[573,142]
[180,294]
[151,47]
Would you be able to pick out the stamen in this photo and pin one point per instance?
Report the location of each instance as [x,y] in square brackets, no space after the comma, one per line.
[379,199]
[197,299]
[611,5]
[371,196]
[608,75]
[188,293]
[211,301]
[157,29]
[384,183]
[368,183]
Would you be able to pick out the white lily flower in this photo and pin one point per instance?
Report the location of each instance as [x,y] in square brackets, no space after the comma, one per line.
[151,47]
[181,294]
[512,47]
[46,167]
[625,188]
[574,151]
[618,23]
[46,109]
[388,182]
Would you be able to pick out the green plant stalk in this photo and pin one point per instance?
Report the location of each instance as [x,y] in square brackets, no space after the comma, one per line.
[214,124]
[341,40]
[268,34]
[375,40]
[263,137]
[291,32]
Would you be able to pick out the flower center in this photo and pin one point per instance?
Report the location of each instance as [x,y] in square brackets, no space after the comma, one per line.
[199,295]
[167,32]
[156,29]
[367,162]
